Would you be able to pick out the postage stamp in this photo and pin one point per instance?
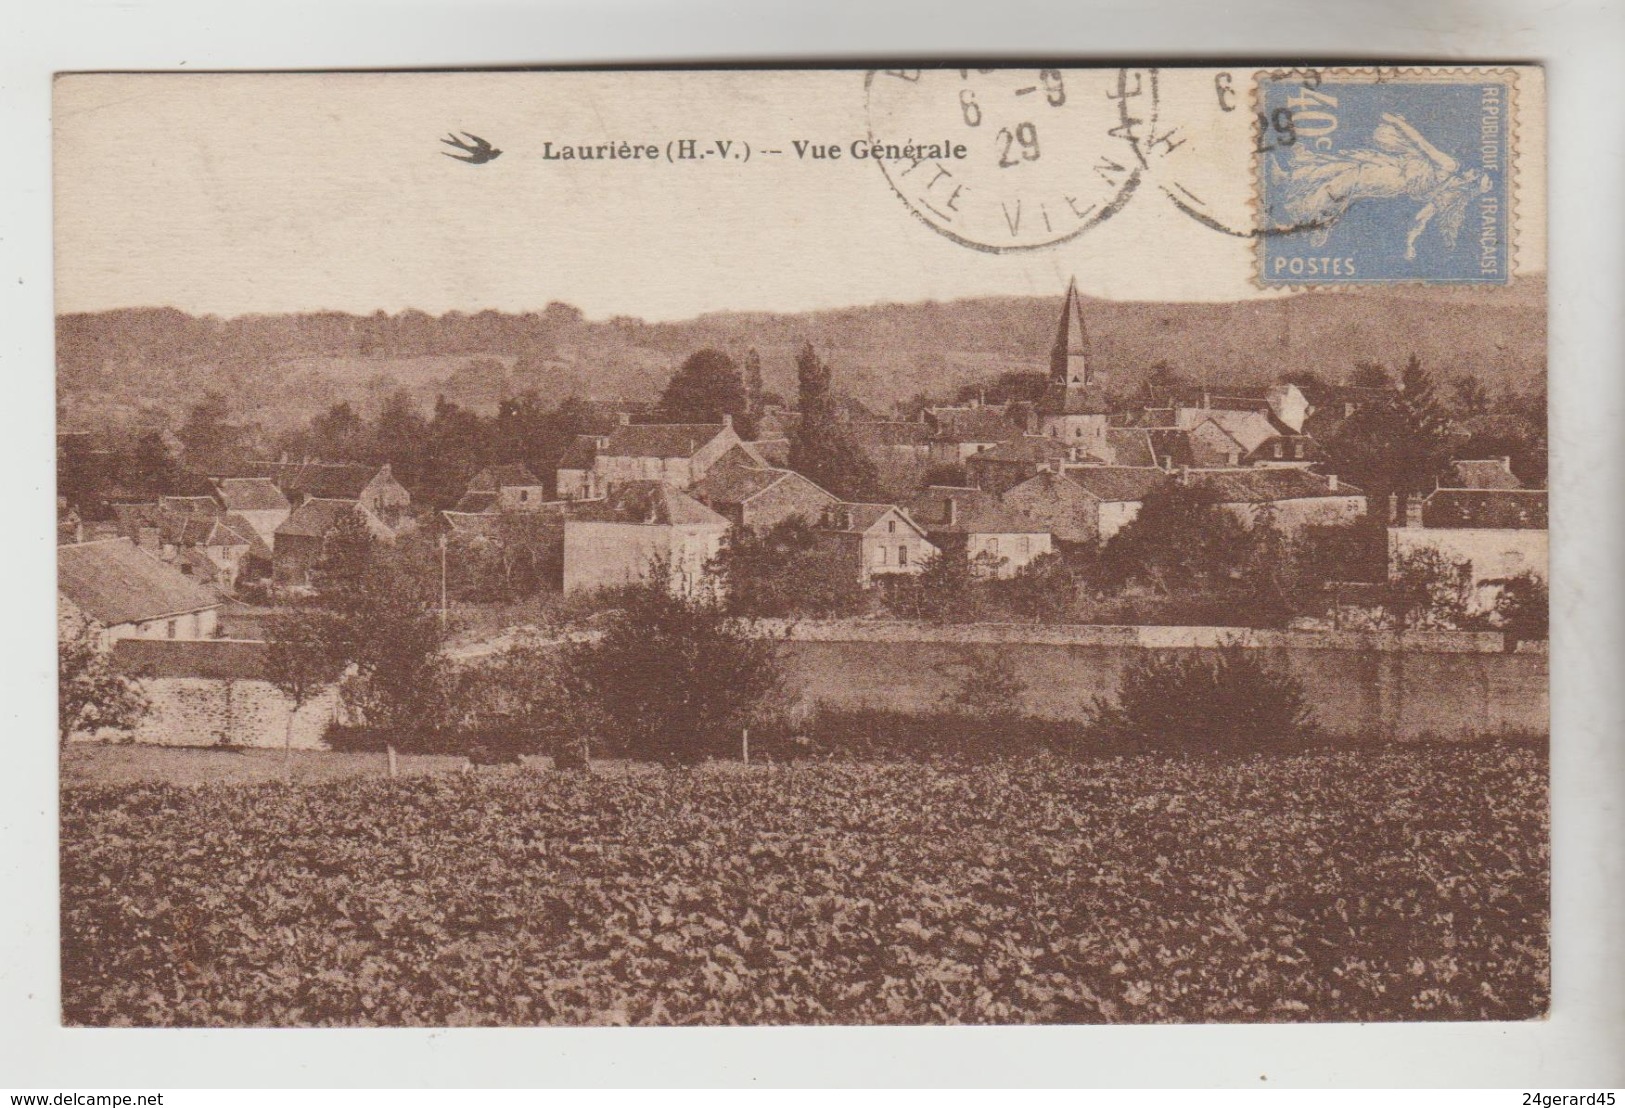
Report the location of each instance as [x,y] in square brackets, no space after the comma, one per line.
[1376,176]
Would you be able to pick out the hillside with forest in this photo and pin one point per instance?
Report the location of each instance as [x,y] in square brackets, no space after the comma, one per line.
[140,368]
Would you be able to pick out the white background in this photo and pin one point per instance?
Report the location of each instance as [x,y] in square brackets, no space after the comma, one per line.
[1582,44]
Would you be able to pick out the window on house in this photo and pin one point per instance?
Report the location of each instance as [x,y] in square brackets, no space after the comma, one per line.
[891,526]
[1026,544]
[169,629]
[1277,448]
[992,546]
[1297,448]
[902,555]
[880,555]
[524,495]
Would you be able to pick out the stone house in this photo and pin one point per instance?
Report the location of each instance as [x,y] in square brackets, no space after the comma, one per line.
[875,539]
[374,487]
[759,497]
[1498,533]
[1008,464]
[198,537]
[1295,498]
[127,593]
[1115,494]
[301,541]
[988,531]
[676,454]
[257,500]
[961,433]
[618,538]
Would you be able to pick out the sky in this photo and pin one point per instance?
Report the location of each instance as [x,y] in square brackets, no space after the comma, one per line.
[256,193]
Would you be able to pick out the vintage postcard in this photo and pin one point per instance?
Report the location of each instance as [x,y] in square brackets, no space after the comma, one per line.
[916,546]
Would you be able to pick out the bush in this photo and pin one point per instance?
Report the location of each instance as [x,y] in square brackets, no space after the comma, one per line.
[1228,701]
[1522,607]
[674,678]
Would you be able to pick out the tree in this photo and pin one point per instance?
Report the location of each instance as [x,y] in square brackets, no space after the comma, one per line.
[387,620]
[784,570]
[306,652]
[207,431]
[674,678]
[1397,444]
[944,591]
[338,434]
[1181,538]
[1427,589]
[753,381]
[1522,607]
[706,387]
[522,695]
[1222,701]
[91,694]
[1371,375]
[1164,381]
[819,449]
[1470,396]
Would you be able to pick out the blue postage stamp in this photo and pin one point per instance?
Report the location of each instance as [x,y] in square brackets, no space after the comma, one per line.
[1366,178]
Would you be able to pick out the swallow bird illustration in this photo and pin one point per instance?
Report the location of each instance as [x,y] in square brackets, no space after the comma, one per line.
[478,151]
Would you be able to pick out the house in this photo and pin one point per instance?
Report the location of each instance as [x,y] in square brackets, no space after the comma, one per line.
[257,500]
[374,487]
[1498,533]
[503,488]
[1007,464]
[1069,513]
[1480,473]
[982,525]
[301,541]
[676,454]
[875,539]
[960,433]
[618,538]
[198,537]
[574,476]
[493,478]
[127,593]
[760,496]
[1293,498]
[899,449]
[1117,493]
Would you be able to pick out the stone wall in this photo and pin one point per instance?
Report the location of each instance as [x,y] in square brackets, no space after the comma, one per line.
[1360,683]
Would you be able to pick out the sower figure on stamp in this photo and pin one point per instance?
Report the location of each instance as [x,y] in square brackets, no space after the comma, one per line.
[1317,188]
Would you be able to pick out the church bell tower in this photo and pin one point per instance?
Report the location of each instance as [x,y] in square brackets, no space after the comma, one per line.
[1069,359]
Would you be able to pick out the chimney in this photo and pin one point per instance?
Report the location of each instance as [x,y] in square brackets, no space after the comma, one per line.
[1331,482]
[953,510]
[1506,462]
[1413,511]
[1184,475]
[727,419]
[623,418]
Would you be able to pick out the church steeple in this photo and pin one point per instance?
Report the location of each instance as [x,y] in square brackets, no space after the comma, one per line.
[1069,359]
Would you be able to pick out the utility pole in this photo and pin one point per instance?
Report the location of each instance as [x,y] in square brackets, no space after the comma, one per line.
[443,612]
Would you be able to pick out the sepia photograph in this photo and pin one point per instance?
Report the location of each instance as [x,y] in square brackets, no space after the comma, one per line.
[802,547]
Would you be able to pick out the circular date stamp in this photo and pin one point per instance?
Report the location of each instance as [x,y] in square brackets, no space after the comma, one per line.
[1047,153]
